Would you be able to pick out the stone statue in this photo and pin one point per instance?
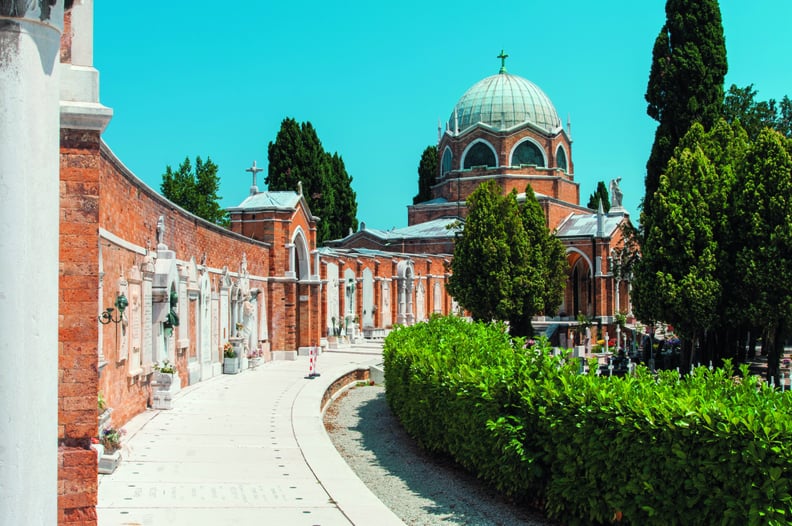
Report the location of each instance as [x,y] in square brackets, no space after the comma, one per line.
[160,230]
[615,193]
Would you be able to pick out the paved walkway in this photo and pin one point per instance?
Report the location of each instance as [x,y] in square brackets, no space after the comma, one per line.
[245,449]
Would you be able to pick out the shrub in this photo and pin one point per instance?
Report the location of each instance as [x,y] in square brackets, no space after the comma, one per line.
[647,449]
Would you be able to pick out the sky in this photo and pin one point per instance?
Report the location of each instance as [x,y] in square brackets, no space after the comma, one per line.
[216,79]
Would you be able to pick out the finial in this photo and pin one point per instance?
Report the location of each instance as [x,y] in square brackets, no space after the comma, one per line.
[299,188]
[503,56]
[254,170]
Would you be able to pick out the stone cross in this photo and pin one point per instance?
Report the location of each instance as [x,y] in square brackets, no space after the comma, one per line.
[254,170]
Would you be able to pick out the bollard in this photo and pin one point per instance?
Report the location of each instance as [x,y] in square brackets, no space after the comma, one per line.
[315,351]
[313,354]
[311,365]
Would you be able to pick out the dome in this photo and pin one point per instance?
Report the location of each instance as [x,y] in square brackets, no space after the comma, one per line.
[504,101]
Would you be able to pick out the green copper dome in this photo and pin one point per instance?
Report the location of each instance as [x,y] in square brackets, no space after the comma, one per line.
[502,102]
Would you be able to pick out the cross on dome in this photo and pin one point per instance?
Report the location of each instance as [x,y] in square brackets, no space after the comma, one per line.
[503,56]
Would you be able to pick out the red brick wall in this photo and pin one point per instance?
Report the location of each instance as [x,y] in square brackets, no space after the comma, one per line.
[97,192]
[129,209]
[77,330]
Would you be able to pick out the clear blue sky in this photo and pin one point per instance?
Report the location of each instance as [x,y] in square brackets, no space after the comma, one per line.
[217,78]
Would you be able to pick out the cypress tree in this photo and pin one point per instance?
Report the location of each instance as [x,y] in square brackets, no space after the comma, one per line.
[427,174]
[685,81]
[600,195]
[297,155]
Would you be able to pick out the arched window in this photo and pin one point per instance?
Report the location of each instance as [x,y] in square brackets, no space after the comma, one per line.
[527,153]
[561,160]
[480,154]
[446,164]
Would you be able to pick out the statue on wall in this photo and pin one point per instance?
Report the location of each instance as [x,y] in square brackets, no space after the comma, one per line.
[615,193]
[160,232]
[20,8]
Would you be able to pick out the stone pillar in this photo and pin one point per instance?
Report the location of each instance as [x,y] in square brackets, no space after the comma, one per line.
[29,160]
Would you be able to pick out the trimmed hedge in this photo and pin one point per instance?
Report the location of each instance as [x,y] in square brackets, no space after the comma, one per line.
[643,449]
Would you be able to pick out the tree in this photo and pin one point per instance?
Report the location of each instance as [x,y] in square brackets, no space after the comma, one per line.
[740,104]
[685,275]
[763,209]
[676,280]
[297,155]
[345,200]
[685,81]
[600,195]
[506,266]
[548,256]
[427,174]
[195,190]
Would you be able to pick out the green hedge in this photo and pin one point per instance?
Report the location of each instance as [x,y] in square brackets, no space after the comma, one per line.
[642,449]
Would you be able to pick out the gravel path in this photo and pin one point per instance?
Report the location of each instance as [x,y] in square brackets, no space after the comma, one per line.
[419,489]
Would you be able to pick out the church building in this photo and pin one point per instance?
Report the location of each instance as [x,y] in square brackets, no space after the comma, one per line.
[505,128]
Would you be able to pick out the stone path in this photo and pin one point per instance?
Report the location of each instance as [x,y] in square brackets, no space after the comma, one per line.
[244,449]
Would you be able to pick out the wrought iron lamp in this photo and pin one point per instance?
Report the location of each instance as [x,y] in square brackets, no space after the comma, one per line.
[121,303]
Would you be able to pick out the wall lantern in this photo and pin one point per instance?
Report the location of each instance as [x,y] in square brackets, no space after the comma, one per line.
[121,303]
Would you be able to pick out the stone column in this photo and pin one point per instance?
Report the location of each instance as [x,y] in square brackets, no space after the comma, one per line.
[29,160]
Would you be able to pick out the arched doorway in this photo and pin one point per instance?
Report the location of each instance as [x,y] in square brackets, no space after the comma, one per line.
[579,297]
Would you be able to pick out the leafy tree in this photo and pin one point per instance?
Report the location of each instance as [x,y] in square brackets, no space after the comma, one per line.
[195,190]
[548,256]
[685,81]
[677,281]
[686,275]
[741,104]
[427,174]
[506,266]
[296,156]
[763,209]
[600,195]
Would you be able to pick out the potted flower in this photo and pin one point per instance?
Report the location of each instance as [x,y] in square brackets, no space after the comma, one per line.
[164,374]
[254,358]
[230,362]
[110,440]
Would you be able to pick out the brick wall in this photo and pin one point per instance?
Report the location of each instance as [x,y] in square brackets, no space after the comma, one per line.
[78,331]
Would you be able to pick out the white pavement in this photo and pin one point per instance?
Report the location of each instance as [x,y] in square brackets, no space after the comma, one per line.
[245,449]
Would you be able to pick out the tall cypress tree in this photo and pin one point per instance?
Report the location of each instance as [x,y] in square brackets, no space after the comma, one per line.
[427,174]
[297,155]
[345,206]
[685,81]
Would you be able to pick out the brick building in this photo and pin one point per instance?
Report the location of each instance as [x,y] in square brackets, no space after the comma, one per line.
[108,279]
[505,128]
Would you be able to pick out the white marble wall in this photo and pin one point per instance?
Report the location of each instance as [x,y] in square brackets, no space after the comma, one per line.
[29,200]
